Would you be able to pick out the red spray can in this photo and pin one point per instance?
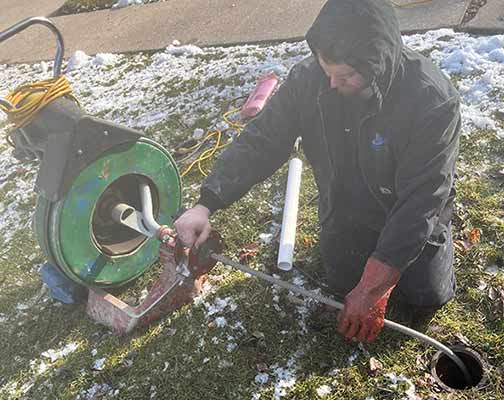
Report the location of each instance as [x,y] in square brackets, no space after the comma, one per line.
[257,99]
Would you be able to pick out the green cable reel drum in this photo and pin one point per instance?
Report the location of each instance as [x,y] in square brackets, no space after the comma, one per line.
[88,166]
[77,233]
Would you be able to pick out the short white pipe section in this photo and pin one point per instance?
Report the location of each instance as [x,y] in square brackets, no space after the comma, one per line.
[289,220]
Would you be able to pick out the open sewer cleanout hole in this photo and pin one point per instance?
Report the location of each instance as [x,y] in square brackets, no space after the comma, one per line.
[449,376]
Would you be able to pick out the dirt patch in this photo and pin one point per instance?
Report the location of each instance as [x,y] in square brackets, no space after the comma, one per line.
[473,9]
[83,6]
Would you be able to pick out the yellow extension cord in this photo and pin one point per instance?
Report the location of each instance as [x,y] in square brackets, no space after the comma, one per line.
[239,127]
[209,153]
[217,135]
[27,100]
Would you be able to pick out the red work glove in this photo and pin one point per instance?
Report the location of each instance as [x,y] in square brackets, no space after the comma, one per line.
[364,312]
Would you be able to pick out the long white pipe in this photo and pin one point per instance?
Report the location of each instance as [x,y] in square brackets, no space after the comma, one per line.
[289,220]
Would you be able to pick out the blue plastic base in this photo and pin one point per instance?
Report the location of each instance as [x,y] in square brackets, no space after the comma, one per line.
[62,288]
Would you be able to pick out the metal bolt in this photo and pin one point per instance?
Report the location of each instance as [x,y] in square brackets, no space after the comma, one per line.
[106,133]
[165,238]
[79,152]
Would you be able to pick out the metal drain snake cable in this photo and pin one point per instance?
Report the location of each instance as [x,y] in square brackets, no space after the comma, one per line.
[330,302]
[22,105]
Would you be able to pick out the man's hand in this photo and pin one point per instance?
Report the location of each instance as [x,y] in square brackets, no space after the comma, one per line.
[364,312]
[193,227]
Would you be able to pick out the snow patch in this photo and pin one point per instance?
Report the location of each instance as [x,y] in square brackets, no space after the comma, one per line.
[97,391]
[410,392]
[266,238]
[261,378]
[77,60]
[206,289]
[496,55]
[492,270]
[285,377]
[99,364]
[187,50]
[225,364]
[22,307]
[219,306]
[491,44]
[105,59]
[238,325]
[220,322]
[126,3]
[38,367]
[351,359]
[198,133]
[323,390]
[54,355]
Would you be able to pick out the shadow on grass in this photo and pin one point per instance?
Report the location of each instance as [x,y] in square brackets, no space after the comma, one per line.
[186,356]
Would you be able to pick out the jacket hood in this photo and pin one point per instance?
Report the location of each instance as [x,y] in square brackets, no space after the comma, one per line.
[363,34]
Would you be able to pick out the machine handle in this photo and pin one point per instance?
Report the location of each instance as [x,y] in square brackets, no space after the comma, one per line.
[21,26]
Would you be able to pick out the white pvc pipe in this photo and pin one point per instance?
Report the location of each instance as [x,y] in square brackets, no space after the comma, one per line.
[289,220]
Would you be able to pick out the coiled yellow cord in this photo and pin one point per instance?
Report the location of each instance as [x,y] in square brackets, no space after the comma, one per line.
[209,153]
[27,100]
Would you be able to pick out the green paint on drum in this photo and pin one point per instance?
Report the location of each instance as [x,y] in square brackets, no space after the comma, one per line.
[70,220]
[40,226]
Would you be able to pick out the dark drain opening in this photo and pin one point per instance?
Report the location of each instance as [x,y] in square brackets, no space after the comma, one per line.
[450,377]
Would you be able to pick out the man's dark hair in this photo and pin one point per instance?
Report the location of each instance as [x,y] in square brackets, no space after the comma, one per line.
[327,50]
[361,33]
[325,39]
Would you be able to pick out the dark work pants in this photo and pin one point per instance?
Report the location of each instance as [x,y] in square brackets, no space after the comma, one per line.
[428,282]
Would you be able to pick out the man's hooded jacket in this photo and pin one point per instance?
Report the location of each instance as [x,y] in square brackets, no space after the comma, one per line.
[407,136]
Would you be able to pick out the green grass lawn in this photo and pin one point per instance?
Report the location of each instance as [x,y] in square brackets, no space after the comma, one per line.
[182,357]
[267,333]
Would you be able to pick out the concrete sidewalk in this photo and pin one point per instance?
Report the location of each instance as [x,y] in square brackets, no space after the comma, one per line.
[12,11]
[154,26]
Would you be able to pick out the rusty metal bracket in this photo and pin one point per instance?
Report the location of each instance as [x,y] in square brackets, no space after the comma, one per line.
[180,281]
[176,286]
